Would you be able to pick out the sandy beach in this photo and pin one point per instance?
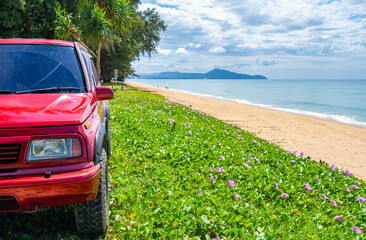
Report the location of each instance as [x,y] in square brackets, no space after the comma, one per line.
[335,143]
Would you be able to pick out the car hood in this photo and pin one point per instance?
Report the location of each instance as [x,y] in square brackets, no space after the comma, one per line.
[36,110]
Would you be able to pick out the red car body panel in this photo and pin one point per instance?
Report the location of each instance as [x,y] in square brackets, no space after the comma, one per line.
[28,186]
[34,110]
[37,191]
[36,41]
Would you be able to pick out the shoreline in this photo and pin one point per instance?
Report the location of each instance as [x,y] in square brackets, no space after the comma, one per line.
[335,143]
[278,109]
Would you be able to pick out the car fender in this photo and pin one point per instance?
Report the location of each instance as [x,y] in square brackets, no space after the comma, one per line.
[99,142]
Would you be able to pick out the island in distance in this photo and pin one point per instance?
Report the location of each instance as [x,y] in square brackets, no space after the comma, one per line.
[213,74]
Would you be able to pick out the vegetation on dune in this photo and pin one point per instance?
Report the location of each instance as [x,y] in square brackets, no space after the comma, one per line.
[177,173]
[180,173]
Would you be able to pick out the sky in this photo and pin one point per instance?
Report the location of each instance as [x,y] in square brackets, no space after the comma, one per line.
[280,39]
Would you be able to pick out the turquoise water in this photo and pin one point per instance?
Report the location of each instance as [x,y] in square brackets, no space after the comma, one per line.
[337,100]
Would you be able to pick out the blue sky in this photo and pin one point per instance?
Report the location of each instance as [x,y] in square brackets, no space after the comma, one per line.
[281,39]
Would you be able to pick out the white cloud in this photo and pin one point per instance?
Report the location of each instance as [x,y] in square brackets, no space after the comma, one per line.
[195,45]
[217,50]
[261,29]
[181,51]
[164,51]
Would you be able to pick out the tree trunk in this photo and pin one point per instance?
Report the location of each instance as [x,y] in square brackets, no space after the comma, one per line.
[98,56]
[105,73]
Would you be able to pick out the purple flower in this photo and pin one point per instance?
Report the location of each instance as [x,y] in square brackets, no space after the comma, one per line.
[338,217]
[201,128]
[197,134]
[325,197]
[284,195]
[231,183]
[318,179]
[227,148]
[307,186]
[244,200]
[189,132]
[332,167]
[275,185]
[292,161]
[361,199]
[355,187]
[254,141]
[356,229]
[245,165]
[348,196]
[221,170]
[217,237]
[222,158]
[199,191]
[333,203]
[358,183]
[211,169]
[347,189]
[236,195]
[347,172]
[212,179]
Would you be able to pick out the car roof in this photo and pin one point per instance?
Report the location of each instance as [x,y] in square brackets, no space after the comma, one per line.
[36,41]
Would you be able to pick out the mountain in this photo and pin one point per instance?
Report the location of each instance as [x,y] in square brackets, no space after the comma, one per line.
[213,74]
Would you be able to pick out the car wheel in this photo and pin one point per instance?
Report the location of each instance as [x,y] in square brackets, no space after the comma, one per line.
[92,217]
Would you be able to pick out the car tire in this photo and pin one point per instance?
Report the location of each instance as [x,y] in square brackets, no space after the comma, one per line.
[92,217]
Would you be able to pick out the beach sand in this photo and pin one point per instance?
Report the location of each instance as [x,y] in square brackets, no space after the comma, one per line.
[335,143]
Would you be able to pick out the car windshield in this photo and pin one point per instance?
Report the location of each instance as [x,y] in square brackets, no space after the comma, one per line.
[29,68]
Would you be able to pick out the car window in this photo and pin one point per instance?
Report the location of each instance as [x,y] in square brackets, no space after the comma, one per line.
[32,67]
[89,67]
[96,78]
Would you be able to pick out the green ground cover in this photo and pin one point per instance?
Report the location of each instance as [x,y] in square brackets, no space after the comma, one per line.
[181,174]
[176,173]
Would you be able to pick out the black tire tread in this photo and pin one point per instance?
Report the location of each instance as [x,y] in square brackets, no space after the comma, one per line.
[92,217]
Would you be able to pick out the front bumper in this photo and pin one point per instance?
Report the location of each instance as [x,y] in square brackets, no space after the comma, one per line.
[29,193]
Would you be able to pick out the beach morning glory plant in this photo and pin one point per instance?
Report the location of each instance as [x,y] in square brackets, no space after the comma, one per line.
[167,182]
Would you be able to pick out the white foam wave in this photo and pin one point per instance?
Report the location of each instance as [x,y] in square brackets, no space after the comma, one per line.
[326,116]
[331,117]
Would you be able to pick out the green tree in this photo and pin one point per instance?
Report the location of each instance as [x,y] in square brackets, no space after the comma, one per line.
[124,39]
[142,39]
[96,21]
[29,18]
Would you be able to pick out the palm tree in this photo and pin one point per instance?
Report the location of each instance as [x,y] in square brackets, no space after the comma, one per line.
[95,22]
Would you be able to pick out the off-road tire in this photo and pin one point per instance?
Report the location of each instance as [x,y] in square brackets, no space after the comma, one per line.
[92,217]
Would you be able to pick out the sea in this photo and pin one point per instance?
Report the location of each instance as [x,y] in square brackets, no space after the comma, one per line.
[342,101]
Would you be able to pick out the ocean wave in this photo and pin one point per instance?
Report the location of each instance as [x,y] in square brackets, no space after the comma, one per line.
[326,116]
[332,117]
[350,120]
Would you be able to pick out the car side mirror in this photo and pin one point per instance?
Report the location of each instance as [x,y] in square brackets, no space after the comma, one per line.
[104,93]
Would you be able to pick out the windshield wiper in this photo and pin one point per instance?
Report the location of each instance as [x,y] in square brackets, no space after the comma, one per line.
[52,89]
[7,92]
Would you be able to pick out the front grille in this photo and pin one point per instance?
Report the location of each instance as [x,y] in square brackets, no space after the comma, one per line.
[9,153]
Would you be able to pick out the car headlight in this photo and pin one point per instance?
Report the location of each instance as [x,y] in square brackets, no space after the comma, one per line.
[55,148]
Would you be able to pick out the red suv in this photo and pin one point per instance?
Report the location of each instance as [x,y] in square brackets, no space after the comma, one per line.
[54,131]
